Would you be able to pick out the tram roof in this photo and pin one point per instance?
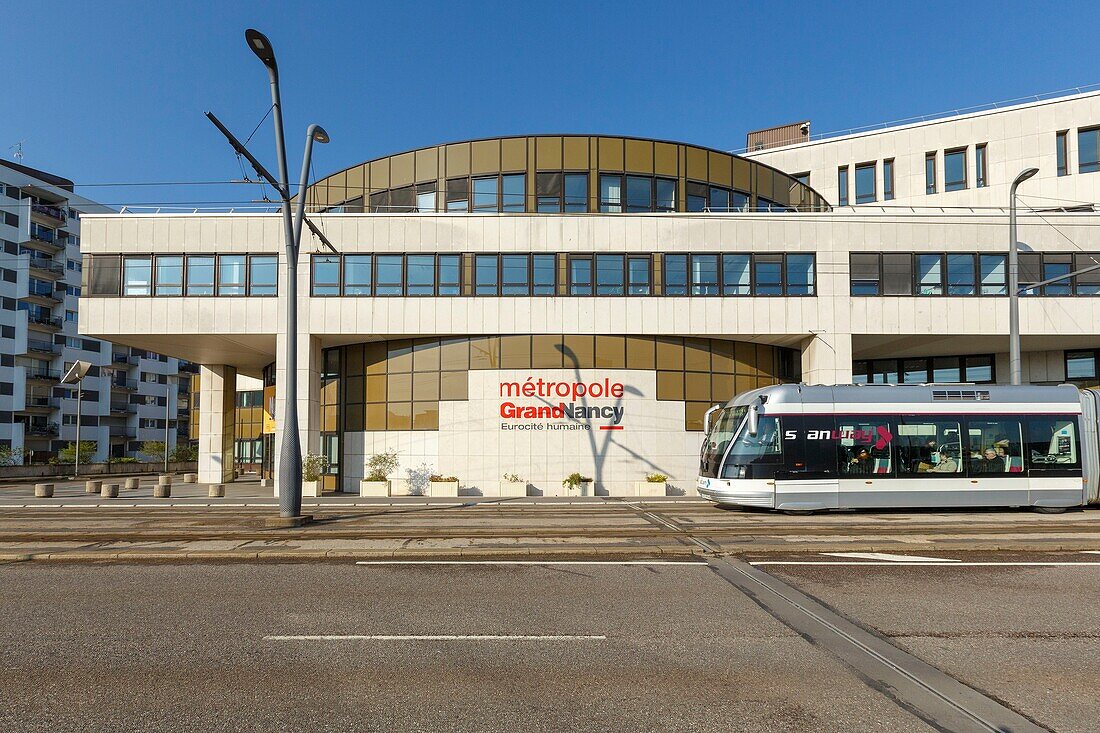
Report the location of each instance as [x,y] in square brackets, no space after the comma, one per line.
[922,394]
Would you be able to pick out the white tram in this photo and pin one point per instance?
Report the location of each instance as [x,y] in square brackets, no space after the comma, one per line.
[799,448]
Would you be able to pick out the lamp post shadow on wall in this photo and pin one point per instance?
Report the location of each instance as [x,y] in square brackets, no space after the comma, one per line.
[289,470]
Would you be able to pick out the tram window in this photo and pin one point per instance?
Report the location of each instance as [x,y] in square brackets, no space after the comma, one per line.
[928,447]
[725,423]
[755,456]
[1052,444]
[993,446]
[864,445]
[809,446]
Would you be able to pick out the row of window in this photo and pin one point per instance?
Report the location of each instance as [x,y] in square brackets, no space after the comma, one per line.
[969,273]
[174,275]
[612,274]
[1088,150]
[975,369]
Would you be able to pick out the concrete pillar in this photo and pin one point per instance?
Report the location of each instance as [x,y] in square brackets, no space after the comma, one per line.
[309,395]
[217,403]
[827,359]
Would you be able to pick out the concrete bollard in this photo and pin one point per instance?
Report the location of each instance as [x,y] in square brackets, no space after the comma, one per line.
[162,491]
[190,478]
[133,482]
[43,491]
[109,491]
[266,483]
[216,491]
[164,480]
[92,487]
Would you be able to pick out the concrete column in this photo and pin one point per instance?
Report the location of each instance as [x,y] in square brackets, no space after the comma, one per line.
[217,404]
[827,359]
[309,396]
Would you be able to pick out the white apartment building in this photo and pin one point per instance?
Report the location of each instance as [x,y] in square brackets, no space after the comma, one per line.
[124,394]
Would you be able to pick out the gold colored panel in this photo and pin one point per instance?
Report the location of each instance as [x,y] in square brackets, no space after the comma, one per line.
[454,385]
[515,352]
[338,187]
[665,159]
[721,387]
[425,416]
[563,265]
[353,360]
[398,387]
[399,356]
[721,356]
[374,416]
[513,154]
[697,163]
[670,353]
[580,352]
[639,156]
[641,352]
[575,153]
[745,358]
[353,417]
[696,355]
[611,154]
[330,392]
[548,153]
[454,354]
[426,386]
[357,181]
[546,352]
[328,482]
[353,391]
[399,416]
[328,419]
[427,165]
[374,355]
[402,169]
[380,174]
[742,174]
[697,386]
[693,414]
[485,352]
[426,355]
[611,352]
[765,182]
[484,157]
[376,388]
[670,385]
[721,169]
[765,361]
[458,160]
[744,384]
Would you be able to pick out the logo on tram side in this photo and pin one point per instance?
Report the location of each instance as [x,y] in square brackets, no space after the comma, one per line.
[880,437]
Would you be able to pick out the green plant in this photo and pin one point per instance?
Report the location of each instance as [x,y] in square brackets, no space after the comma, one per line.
[656,478]
[313,466]
[67,454]
[125,459]
[512,478]
[184,453]
[574,480]
[443,479]
[381,465]
[152,449]
[7,456]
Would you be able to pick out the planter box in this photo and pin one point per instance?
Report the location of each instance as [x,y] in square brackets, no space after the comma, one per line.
[650,488]
[374,488]
[583,489]
[442,488]
[312,488]
[400,487]
[513,488]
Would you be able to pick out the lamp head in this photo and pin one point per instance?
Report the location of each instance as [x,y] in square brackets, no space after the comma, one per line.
[1025,175]
[261,46]
[318,134]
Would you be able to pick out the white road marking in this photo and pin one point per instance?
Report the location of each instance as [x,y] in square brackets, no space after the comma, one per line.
[887,556]
[938,563]
[437,637]
[1091,552]
[531,562]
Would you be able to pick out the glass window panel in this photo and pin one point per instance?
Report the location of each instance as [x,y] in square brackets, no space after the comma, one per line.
[1052,443]
[611,352]
[1080,364]
[736,278]
[513,193]
[670,353]
[544,275]
[954,170]
[609,274]
[449,274]
[548,184]
[719,199]
[993,274]
[641,352]
[458,196]
[425,197]
[930,173]
[137,275]
[697,194]
[200,276]
[979,369]
[514,274]
[721,353]
[1088,283]
[768,271]
[861,373]
[453,385]
[388,275]
[696,386]
[666,194]
[580,352]
[425,386]
[960,274]
[639,193]
[485,192]
[638,276]
[426,355]
[420,271]
[454,354]
[739,201]
[800,274]
[888,180]
[576,192]
[611,193]
[696,355]
[897,274]
[376,388]
[670,385]
[865,183]
[930,274]
[374,417]
[980,166]
[231,274]
[170,276]
[946,369]
[263,274]
[399,356]
[580,275]
[546,352]
[1060,146]
[1088,150]
[929,447]
[914,371]
[398,387]
[1057,266]
[884,371]
[704,274]
[485,275]
[676,274]
[399,416]
[485,352]
[357,274]
[425,416]
[515,352]
[721,387]
[842,185]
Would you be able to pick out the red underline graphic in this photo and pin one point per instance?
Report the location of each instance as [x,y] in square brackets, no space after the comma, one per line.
[611,427]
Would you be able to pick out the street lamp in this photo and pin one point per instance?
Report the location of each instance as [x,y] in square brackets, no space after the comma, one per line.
[167,407]
[1014,281]
[76,375]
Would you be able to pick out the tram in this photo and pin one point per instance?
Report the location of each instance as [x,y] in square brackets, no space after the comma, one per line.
[799,448]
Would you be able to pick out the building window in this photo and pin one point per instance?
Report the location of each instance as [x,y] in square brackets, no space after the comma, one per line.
[1080,364]
[357,274]
[580,275]
[485,275]
[704,274]
[458,194]
[548,192]
[611,193]
[639,194]
[513,193]
[865,274]
[696,196]
[1058,265]
[1061,148]
[960,274]
[799,278]
[450,275]
[200,275]
[486,192]
[954,169]
[768,274]
[137,276]
[930,274]
[576,192]
[1088,150]
[842,185]
[1088,283]
[420,275]
[888,179]
[514,274]
[389,271]
[930,173]
[425,197]
[676,274]
[976,369]
[981,166]
[803,178]
[736,274]
[993,274]
[610,278]
[326,275]
[231,274]
[865,183]
[638,275]
[263,275]
[169,274]
[665,194]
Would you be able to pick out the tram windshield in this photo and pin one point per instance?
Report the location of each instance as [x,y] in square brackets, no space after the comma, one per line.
[750,456]
[726,422]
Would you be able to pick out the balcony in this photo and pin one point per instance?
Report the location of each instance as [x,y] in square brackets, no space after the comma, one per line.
[45,267]
[124,359]
[49,215]
[38,348]
[122,432]
[119,409]
[45,323]
[39,430]
[39,404]
[43,375]
[39,291]
[124,385]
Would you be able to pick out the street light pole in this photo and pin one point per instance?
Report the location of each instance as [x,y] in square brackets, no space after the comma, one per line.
[167,400]
[1014,281]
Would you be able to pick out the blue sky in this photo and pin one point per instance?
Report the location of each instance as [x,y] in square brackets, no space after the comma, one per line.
[115,91]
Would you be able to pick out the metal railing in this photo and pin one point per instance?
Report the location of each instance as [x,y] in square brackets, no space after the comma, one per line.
[41,431]
[45,374]
[54,212]
[44,320]
[123,384]
[47,265]
[46,347]
[124,359]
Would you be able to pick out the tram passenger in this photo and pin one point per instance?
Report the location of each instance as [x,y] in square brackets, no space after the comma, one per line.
[946,464]
[990,462]
[861,463]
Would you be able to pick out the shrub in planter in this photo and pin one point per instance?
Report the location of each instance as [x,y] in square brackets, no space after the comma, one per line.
[313,468]
[512,485]
[655,484]
[379,468]
[575,483]
[443,485]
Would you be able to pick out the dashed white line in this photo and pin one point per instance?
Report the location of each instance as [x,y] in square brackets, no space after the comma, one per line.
[938,563]
[531,562]
[887,556]
[437,637]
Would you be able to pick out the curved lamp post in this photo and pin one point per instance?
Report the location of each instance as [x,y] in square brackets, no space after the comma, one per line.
[1014,281]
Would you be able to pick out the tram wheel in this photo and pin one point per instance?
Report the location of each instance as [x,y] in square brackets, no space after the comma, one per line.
[1050,509]
[798,512]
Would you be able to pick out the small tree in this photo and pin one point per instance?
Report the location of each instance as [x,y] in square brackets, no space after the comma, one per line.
[381,465]
[313,467]
[66,455]
[184,453]
[152,450]
[7,456]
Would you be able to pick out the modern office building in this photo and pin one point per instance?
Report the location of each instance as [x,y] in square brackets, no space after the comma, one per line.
[125,392]
[545,305]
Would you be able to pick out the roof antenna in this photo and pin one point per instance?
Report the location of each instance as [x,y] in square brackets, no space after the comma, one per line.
[18,148]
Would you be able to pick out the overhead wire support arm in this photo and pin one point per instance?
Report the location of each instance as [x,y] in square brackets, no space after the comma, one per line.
[242,150]
[320,235]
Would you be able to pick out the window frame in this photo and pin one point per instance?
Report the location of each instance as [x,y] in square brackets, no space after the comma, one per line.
[873,196]
[888,179]
[252,258]
[1093,165]
[842,185]
[950,185]
[1061,152]
[981,165]
[930,174]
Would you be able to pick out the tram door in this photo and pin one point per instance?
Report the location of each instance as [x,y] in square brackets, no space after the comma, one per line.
[808,479]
